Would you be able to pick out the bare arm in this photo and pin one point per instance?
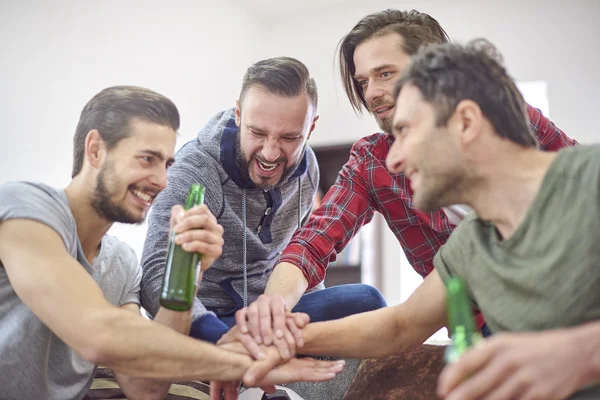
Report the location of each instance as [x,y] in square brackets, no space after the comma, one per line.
[142,388]
[287,281]
[61,293]
[383,332]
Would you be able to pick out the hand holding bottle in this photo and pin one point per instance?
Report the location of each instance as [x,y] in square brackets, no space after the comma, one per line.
[197,231]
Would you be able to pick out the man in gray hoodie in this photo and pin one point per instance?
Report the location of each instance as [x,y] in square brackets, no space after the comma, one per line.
[261,179]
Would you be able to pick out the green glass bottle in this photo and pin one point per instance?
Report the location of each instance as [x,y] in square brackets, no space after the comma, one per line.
[460,320]
[181,271]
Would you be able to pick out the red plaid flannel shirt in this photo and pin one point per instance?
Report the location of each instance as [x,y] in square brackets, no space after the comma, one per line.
[364,186]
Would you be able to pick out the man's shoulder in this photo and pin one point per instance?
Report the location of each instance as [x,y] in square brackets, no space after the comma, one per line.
[23,197]
[581,162]
[376,145]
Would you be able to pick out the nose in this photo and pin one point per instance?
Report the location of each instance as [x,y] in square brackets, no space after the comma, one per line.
[374,91]
[270,150]
[395,158]
[160,178]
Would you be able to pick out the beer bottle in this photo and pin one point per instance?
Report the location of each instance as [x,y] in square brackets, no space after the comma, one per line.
[460,320]
[181,271]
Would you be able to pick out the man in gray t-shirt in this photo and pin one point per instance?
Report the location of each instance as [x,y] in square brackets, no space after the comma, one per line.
[69,294]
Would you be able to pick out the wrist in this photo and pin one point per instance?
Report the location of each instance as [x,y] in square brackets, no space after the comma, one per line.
[586,340]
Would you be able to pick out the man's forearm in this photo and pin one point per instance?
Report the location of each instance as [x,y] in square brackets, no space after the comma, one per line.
[371,334]
[288,281]
[145,349]
[143,388]
[587,338]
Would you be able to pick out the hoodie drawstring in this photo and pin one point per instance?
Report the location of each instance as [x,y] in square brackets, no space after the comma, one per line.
[244,249]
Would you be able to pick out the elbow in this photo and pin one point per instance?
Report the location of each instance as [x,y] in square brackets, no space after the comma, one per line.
[99,350]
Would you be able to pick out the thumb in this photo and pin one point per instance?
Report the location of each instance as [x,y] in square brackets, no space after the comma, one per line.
[258,370]
[176,216]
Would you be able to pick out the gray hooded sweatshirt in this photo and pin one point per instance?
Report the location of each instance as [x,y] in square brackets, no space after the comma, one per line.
[258,224]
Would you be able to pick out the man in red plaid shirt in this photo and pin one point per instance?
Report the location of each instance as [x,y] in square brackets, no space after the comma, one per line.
[373,56]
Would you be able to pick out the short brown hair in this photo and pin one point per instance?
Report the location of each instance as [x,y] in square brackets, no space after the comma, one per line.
[418,29]
[284,76]
[450,73]
[111,111]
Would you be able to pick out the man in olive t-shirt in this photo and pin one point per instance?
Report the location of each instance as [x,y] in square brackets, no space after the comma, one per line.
[530,251]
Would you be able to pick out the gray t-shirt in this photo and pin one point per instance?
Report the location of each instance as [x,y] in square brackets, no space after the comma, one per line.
[547,274]
[35,363]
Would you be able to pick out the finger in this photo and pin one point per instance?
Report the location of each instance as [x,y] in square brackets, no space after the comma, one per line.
[177,213]
[481,382]
[231,391]
[208,251]
[268,389]
[253,324]
[240,319]
[216,389]
[259,369]
[510,388]
[278,314]
[472,361]
[202,209]
[291,342]
[283,348]
[265,320]
[301,319]
[201,235]
[197,221]
[296,332]
[253,348]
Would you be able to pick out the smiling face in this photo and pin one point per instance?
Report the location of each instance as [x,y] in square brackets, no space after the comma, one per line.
[133,172]
[273,134]
[380,62]
[428,155]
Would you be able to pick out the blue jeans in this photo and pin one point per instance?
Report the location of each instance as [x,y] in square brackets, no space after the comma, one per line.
[334,302]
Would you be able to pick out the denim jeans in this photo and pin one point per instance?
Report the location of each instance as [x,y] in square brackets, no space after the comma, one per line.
[334,302]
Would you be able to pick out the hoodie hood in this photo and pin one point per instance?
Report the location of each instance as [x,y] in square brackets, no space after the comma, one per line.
[219,138]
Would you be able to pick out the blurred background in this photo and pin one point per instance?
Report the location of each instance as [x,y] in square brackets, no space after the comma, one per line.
[55,55]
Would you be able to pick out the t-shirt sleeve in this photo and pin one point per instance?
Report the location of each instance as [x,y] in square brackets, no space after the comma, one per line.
[132,288]
[451,260]
[24,200]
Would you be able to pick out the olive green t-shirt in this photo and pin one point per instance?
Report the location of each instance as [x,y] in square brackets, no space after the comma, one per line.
[547,275]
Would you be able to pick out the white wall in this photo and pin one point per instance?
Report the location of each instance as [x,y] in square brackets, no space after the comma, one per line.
[554,42]
[57,55]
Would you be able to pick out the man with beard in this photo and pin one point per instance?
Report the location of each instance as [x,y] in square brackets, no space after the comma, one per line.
[528,252]
[373,56]
[69,293]
[261,179]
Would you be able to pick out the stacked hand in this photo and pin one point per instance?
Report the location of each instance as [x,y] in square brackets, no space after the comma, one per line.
[269,333]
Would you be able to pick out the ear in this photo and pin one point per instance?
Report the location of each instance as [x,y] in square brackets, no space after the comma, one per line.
[238,113]
[312,127]
[467,121]
[95,150]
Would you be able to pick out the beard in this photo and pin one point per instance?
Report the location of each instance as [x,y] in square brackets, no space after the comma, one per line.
[244,164]
[385,124]
[104,206]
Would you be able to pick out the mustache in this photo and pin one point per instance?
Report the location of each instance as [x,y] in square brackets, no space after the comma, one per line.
[280,160]
[145,189]
[380,103]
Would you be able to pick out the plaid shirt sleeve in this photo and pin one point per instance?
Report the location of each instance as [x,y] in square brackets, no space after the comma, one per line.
[551,138]
[343,211]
